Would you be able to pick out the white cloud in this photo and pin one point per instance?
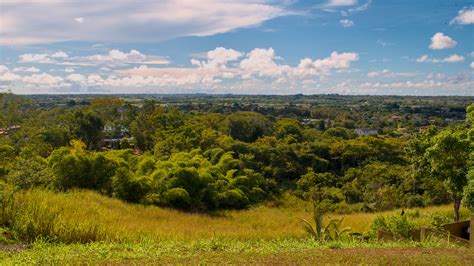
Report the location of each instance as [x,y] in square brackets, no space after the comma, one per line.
[4,69]
[26,69]
[59,54]
[423,59]
[35,58]
[79,20]
[76,78]
[472,65]
[324,66]
[440,41]
[113,58]
[346,23]
[117,58]
[340,3]
[218,58]
[69,70]
[126,20]
[260,70]
[465,17]
[261,62]
[388,74]
[455,58]
[42,79]
[9,76]
[6,75]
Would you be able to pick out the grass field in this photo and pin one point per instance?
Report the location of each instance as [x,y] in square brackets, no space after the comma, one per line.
[85,227]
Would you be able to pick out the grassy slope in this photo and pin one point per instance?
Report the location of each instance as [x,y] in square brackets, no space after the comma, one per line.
[150,234]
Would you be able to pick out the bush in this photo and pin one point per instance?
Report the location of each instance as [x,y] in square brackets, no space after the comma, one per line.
[178,198]
[399,225]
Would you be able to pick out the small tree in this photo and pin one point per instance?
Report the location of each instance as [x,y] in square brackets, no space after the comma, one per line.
[448,158]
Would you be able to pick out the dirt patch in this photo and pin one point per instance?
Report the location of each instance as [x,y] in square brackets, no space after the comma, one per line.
[14,247]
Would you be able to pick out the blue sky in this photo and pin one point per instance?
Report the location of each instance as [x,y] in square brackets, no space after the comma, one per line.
[404,47]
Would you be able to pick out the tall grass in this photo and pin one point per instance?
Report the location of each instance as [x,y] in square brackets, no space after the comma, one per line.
[84,216]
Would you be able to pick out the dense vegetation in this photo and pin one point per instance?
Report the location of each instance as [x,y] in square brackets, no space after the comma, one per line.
[185,179]
[217,156]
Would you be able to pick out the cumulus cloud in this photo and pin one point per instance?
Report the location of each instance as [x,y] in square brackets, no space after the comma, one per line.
[113,57]
[218,58]
[455,58]
[346,23]
[261,62]
[439,41]
[42,78]
[125,20]
[76,78]
[220,65]
[465,17]
[324,66]
[472,65]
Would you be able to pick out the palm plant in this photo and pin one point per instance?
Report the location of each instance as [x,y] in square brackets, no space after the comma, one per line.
[332,231]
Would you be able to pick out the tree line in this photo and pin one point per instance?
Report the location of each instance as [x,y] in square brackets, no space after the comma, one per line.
[203,160]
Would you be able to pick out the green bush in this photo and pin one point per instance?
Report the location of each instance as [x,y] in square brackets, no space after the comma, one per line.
[399,225]
[178,198]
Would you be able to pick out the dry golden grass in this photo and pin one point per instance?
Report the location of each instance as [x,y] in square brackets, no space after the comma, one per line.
[86,212]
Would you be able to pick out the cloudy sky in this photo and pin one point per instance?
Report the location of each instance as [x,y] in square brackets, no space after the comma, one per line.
[401,47]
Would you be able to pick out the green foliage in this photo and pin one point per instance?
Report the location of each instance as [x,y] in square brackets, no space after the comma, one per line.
[27,173]
[399,225]
[227,152]
[81,169]
[469,189]
[448,158]
[247,126]
[88,128]
[286,127]
[333,231]
[192,181]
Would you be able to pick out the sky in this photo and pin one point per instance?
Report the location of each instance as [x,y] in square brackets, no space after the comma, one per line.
[369,47]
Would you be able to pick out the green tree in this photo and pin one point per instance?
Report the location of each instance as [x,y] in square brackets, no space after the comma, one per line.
[469,189]
[88,128]
[448,159]
[247,126]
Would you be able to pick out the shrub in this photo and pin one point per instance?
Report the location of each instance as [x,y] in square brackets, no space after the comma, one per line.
[399,225]
[178,198]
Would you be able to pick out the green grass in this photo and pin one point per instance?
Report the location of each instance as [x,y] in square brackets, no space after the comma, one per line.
[83,227]
[84,216]
[219,251]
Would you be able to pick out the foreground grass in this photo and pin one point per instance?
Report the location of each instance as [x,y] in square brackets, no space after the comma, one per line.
[84,216]
[218,252]
[84,227]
